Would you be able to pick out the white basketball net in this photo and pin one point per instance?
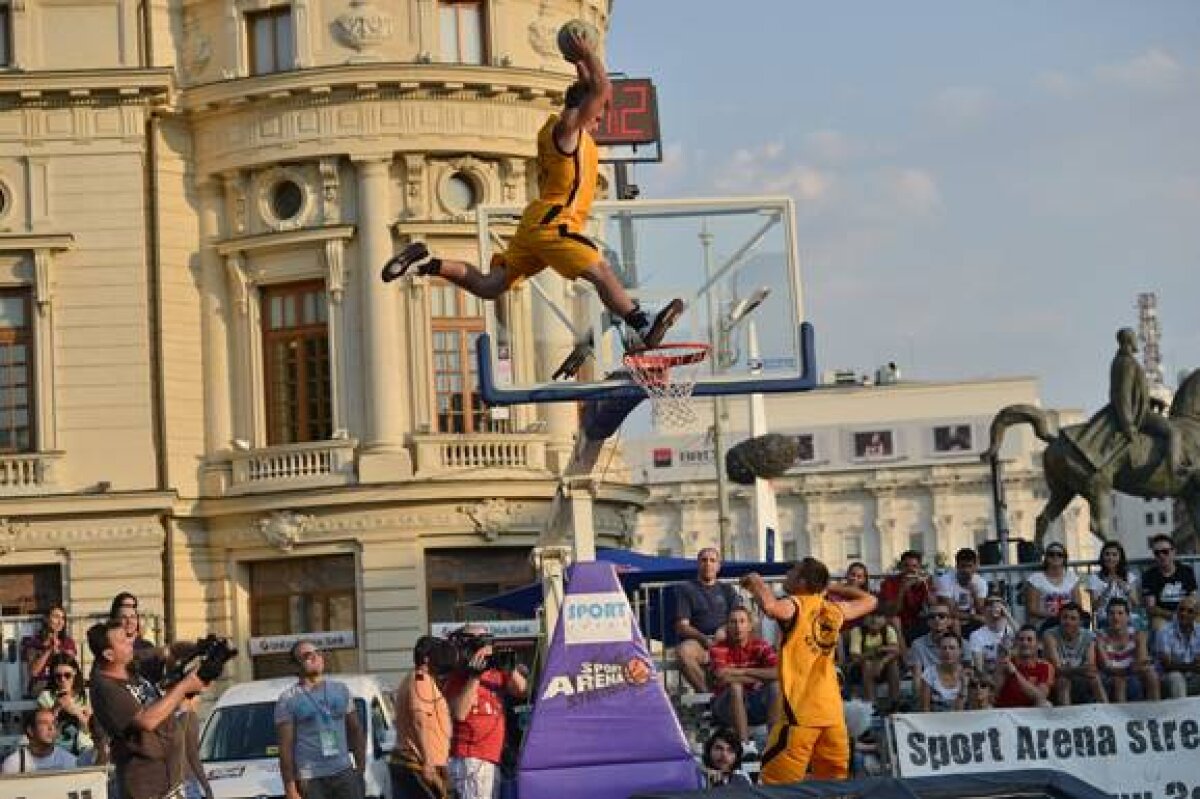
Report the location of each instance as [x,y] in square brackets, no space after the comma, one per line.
[668,375]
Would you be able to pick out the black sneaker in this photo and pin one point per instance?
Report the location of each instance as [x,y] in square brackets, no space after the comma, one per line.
[653,335]
[415,254]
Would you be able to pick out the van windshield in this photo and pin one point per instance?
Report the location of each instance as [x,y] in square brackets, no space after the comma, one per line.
[247,732]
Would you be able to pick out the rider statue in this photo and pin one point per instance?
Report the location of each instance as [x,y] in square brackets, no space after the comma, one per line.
[1113,429]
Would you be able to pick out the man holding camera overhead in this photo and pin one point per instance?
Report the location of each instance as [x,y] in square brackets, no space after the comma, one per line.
[476,697]
[138,719]
[318,729]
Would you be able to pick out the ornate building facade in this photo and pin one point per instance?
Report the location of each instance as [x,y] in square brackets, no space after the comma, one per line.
[209,397]
[881,470]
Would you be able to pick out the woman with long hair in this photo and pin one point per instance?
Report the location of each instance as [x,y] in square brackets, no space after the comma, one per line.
[68,698]
[1112,580]
[1049,589]
[944,685]
[50,640]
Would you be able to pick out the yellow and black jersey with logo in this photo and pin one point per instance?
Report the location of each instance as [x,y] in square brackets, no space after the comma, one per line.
[808,684]
[566,181]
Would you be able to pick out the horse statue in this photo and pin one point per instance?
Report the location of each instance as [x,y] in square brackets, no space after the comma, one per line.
[1136,465]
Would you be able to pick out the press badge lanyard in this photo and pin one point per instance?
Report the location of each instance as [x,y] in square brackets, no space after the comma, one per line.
[329,741]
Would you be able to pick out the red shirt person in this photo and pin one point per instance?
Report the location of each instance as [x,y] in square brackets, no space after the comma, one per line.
[905,595]
[746,672]
[1024,680]
[476,698]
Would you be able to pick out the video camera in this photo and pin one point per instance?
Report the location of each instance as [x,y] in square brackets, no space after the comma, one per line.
[212,652]
[461,647]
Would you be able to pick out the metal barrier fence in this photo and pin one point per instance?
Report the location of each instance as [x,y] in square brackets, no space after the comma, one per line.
[653,610]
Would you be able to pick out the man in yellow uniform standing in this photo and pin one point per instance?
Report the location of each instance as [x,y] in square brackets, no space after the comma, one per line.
[550,232]
[812,728]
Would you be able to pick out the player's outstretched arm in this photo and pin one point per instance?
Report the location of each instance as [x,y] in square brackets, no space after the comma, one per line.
[597,92]
[855,602]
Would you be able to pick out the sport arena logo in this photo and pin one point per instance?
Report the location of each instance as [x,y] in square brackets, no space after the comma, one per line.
[597,619]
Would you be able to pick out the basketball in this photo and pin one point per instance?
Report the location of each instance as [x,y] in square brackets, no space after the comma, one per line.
[584,30]
[637,671]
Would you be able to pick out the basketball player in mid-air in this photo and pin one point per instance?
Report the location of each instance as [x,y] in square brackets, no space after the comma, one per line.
[550,230]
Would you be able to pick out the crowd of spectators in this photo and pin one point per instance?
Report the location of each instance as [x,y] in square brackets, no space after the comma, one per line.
[1115,636]
[952,642]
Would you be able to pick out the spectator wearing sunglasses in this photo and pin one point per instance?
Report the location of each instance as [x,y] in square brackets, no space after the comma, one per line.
[69,700]
[1165,583]
[1048,590]
[1179,651]
[925,652]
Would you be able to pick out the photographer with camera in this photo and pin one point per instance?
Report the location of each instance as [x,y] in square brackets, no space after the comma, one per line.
[138,719]
[318,729]
[475,691]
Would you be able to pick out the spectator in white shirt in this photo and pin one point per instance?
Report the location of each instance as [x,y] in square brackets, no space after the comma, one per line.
[1178,646]
[40,753]
[1113,580]
[994,640]
[966,591]
[1049,589]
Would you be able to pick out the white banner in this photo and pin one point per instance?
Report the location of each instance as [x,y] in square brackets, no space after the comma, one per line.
[81,783]
[281,644]
[1148,750]
[596,618]
[515,628]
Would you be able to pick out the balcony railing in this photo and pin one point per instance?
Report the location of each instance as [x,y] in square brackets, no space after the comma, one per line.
[27,473]
[451,454]
[309,465]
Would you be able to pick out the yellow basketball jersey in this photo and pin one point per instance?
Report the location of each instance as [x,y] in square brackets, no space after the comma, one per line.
[808,684]
[566,182]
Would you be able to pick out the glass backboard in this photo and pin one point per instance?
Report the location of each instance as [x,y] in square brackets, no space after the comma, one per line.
[733,262]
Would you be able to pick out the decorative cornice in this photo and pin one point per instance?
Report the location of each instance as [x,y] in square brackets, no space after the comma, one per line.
[284,238]
[36,241]
[379,81]
[73,87]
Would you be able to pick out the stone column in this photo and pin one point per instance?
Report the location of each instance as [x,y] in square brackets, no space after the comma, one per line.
[214,324]
[388,406]
[551,344]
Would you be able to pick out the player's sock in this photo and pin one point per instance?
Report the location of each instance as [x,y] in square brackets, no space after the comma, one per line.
[637,319]
[654,332]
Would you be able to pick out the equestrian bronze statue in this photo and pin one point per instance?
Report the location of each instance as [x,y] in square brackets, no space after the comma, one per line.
[1129,445]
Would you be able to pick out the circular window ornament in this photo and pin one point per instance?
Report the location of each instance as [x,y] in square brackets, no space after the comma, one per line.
[287,200]
[6,200]
[460,193]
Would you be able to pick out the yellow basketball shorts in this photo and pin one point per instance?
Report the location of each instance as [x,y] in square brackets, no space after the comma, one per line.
[792,751]
[536,247]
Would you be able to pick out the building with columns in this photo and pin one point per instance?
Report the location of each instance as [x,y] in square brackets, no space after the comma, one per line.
[209,397]
[881,469]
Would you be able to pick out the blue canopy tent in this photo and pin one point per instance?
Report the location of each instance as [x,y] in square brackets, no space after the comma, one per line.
[656,615]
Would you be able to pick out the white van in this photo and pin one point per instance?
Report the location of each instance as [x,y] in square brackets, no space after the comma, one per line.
[241,752]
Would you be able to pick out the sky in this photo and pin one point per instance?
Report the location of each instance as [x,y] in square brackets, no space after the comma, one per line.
[982,189]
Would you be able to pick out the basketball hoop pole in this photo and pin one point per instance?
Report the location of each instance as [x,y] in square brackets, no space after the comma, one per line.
[766,511]
[723,512]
